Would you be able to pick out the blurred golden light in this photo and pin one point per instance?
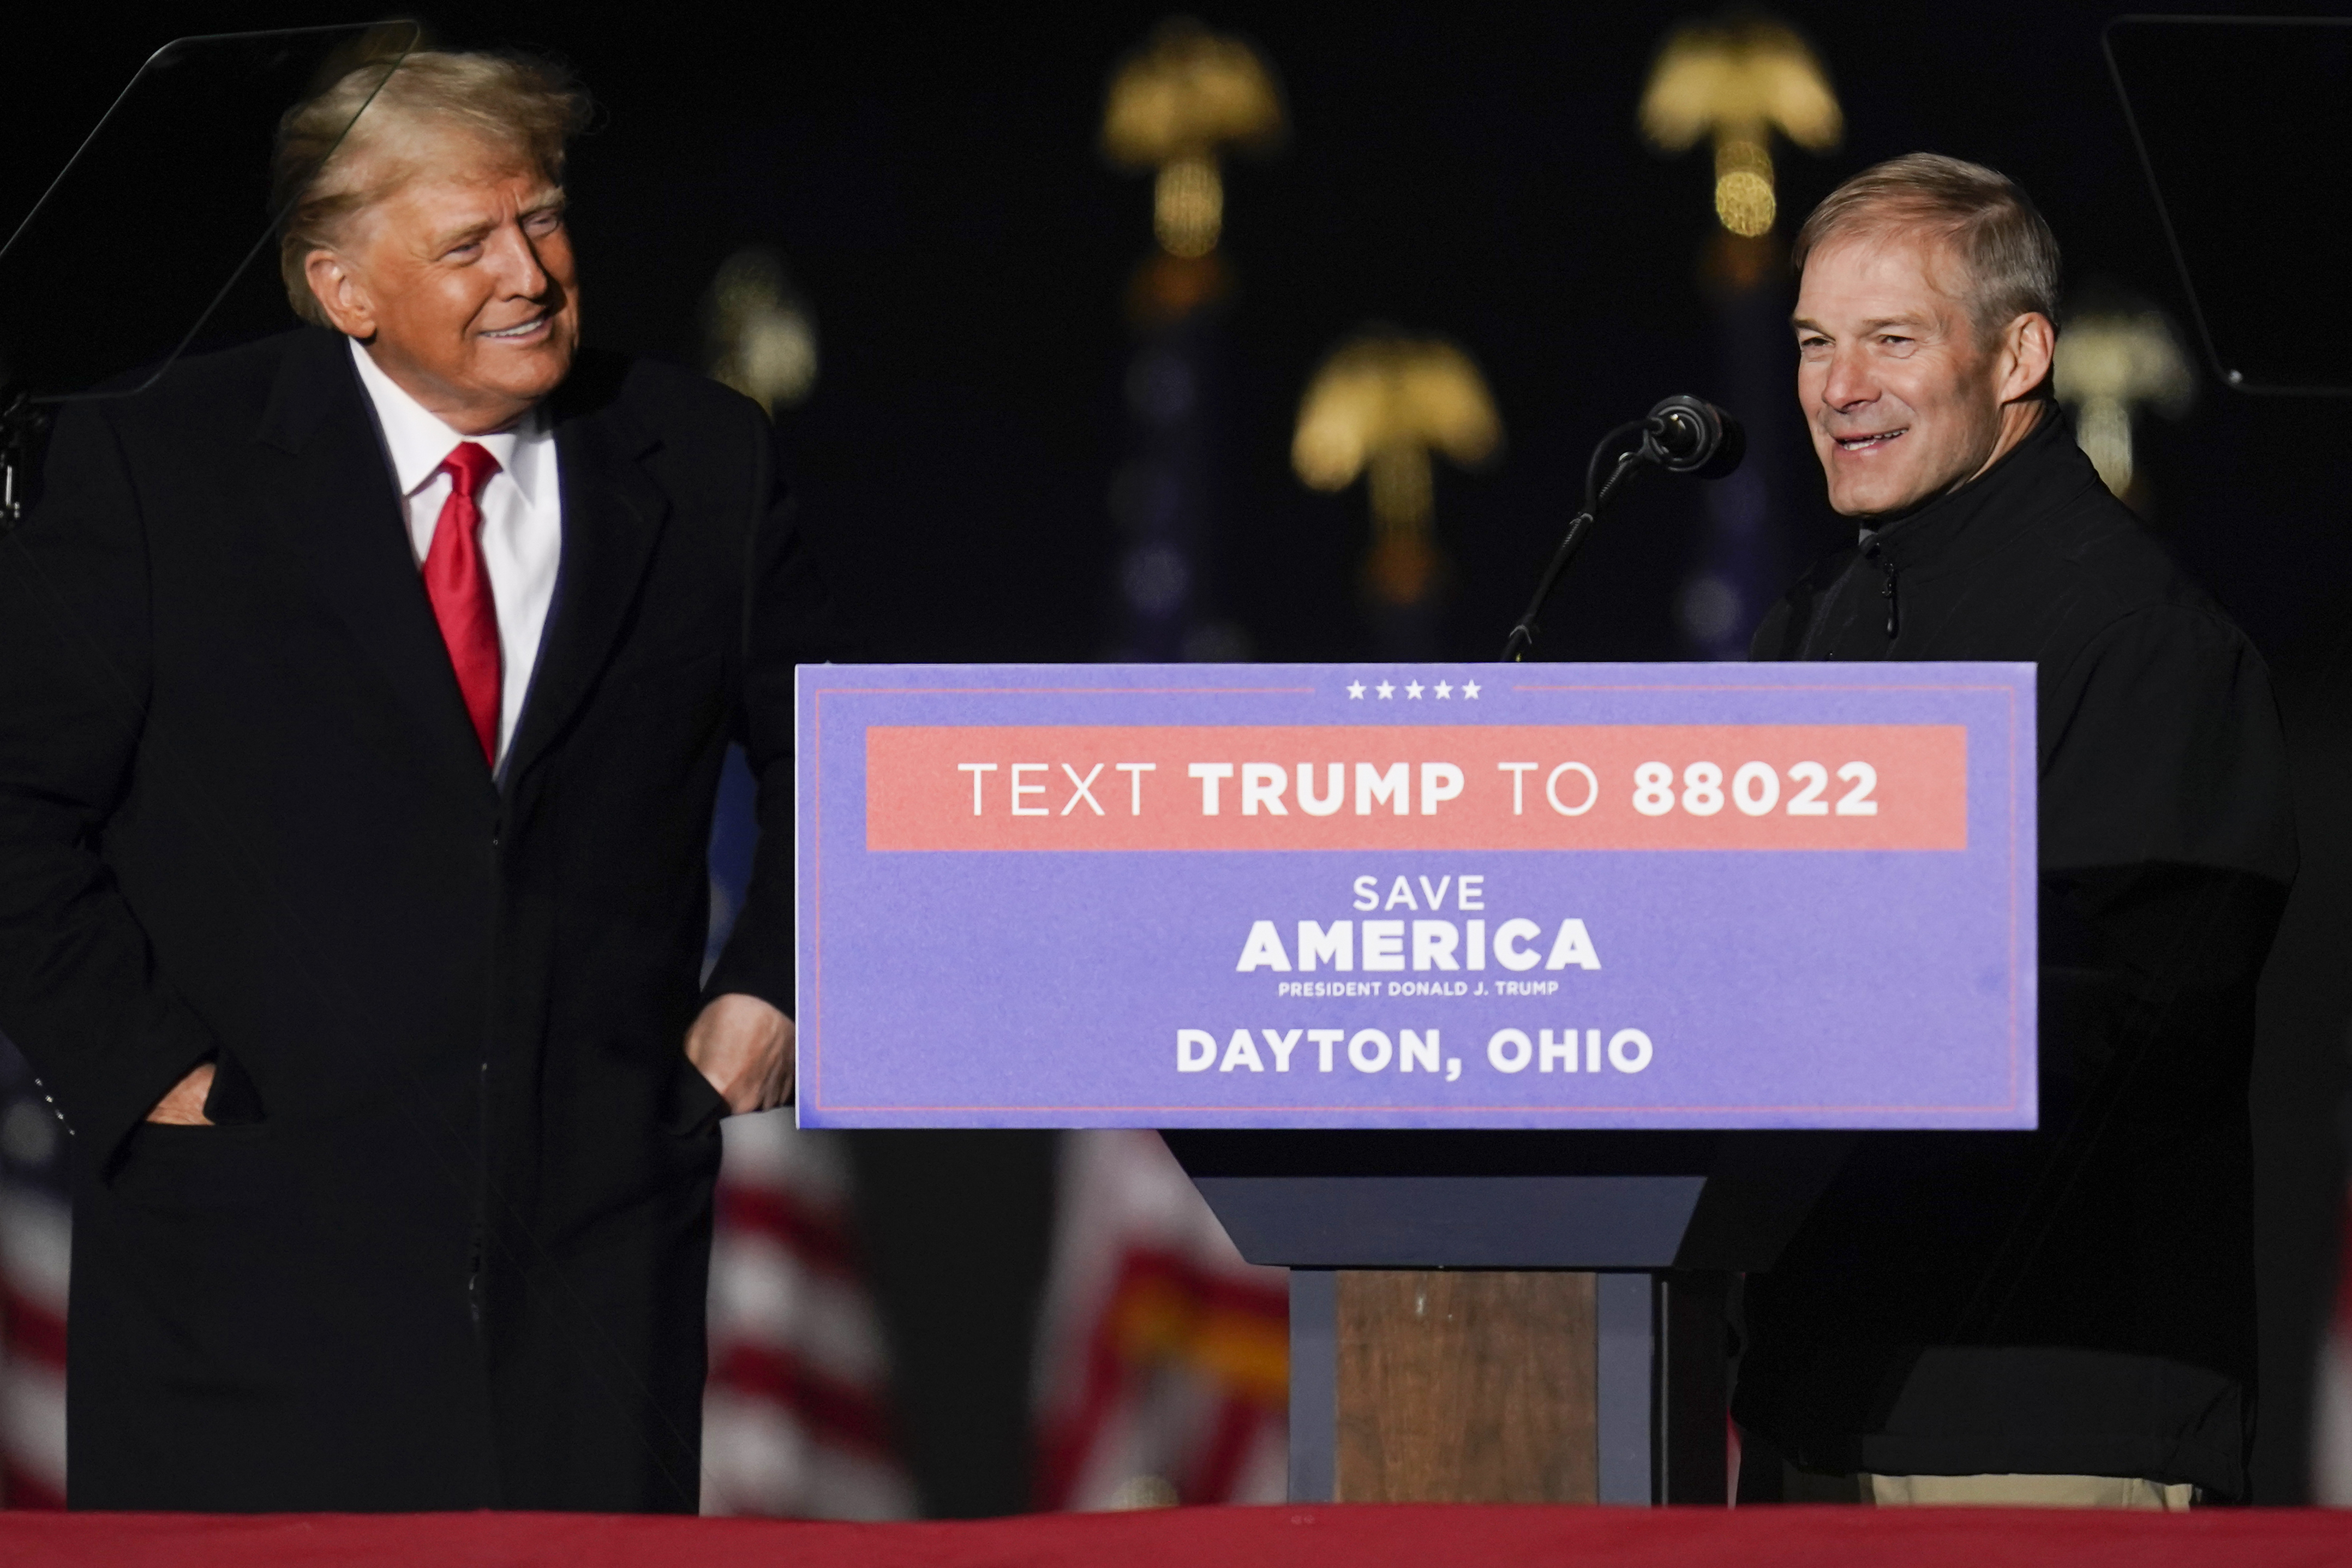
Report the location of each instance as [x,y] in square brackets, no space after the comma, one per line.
[2108,365]
[1188,205]
[1379,405]
[1174,105]
[1743,188]
[759,337]
[1738,81]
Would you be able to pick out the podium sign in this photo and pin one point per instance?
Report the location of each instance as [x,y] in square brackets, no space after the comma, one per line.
[1459,896]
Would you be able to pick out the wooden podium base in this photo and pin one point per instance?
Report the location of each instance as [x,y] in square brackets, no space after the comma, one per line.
[1509,1316]
[1496,1385]
[1469,1386]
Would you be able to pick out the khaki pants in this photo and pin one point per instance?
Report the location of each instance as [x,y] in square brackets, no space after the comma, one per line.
[2025,1491]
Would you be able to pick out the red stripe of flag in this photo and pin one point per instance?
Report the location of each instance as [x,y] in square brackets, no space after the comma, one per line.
[841,1411]
[817,1238]
[33,1332]
[20,1488]
[1220,1466]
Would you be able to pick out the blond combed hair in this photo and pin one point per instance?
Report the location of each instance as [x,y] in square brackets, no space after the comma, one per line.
[321,174]
[2003,245]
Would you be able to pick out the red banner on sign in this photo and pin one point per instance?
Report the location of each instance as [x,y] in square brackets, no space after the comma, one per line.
[1503,787]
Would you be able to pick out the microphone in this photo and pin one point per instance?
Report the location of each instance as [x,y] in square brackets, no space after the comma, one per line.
[1684,434]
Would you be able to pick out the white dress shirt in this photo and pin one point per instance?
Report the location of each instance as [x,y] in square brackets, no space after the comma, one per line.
[522,518]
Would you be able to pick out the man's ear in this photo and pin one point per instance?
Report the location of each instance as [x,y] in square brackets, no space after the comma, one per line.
[339,293]
[2026,346]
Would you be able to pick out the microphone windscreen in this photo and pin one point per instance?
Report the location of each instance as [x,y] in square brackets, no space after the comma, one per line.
[1691,436]
[1729,451]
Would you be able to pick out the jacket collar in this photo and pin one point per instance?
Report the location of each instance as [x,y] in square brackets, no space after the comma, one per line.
[2044,473]
[315,380]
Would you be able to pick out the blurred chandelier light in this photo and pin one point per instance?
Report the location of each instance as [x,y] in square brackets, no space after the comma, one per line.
[1379,405]
[1174,105]
[759,336]
[2110,363]
[1738,81]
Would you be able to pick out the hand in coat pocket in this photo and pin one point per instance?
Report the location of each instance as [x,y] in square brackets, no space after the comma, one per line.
[743,1048]
[183,1104]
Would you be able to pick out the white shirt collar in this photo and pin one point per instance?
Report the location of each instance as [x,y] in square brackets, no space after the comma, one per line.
[419,443]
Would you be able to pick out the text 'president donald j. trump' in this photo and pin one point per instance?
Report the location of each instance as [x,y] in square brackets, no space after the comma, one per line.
[363,698]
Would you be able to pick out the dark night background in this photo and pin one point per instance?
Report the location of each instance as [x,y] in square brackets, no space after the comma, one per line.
[931,176]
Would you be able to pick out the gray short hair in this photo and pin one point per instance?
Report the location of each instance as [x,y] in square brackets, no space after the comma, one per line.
[529,104]
[2007,250]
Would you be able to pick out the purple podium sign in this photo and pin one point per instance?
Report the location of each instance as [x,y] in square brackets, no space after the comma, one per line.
[1488,896]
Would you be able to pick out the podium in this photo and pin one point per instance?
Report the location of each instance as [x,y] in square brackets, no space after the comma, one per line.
[1509,1316]
[1513,1009]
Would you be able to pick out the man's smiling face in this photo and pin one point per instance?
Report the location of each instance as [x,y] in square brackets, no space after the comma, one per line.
[1902,397]
[460,281]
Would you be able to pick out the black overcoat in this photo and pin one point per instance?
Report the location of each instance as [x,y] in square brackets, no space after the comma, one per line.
[448,1249]
[2078,1299]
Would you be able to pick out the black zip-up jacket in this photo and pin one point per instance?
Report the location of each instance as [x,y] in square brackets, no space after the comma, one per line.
[2078,1299]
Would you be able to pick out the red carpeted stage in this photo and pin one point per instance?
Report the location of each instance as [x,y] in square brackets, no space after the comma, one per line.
[1290,1537]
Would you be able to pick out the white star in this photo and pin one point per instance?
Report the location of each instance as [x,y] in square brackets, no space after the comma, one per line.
[1386,690]
[1470,690]
[1444,688]
[1355,688]
[1413,690]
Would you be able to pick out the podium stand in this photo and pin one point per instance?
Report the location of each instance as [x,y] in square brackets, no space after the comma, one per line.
[1509,1316]
[1514,1009]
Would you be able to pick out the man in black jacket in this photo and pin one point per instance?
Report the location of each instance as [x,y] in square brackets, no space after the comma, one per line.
[2065,1315]
[362,699]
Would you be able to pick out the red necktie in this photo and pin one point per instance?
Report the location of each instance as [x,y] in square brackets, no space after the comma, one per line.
[458,583]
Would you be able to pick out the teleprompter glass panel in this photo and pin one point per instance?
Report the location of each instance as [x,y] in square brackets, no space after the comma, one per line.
[159,235]
[2242,126]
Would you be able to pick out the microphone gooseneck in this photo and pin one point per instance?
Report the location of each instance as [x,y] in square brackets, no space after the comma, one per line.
[1682,435]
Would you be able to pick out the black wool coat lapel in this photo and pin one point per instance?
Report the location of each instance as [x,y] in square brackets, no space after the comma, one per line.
[613,516]
[354,539]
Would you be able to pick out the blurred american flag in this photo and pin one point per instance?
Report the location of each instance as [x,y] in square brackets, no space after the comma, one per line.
[1163,1359]
[36,1248]
[2331,1447]
[796,1416]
